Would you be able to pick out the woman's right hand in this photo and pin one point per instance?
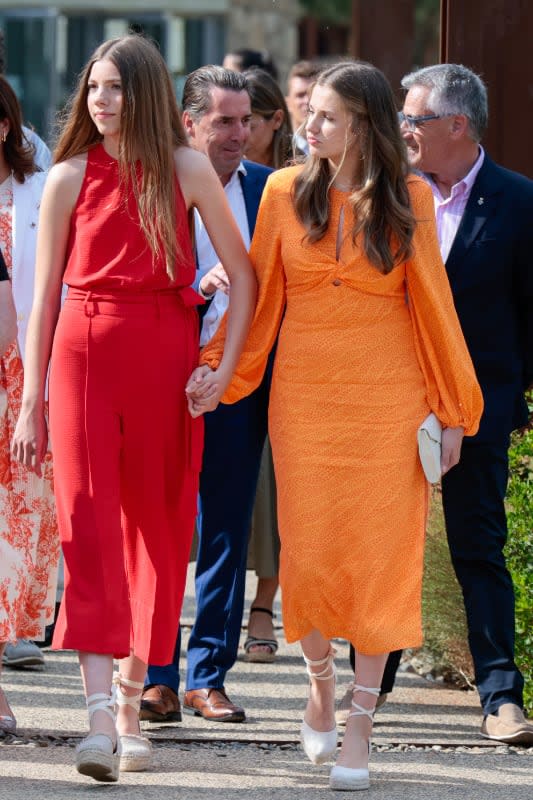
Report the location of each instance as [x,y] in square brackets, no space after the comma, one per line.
[452,439]
[215,279]
[30,441]
[204,389]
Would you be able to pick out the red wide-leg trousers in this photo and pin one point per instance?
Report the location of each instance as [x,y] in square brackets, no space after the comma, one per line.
[127,455]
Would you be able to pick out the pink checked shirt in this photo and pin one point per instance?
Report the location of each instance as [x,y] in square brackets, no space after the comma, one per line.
[448,212]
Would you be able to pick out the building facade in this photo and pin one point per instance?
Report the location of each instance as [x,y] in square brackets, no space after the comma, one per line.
[46,46]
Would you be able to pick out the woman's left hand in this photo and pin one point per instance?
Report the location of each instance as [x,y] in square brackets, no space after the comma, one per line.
[204,390]
[452,439]
[30,440]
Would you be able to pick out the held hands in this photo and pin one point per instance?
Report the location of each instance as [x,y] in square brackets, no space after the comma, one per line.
[204,390]
[215,279]
[452,439]
[30,440]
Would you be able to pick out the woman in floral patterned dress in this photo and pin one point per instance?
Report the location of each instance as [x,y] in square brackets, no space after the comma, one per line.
[29,542]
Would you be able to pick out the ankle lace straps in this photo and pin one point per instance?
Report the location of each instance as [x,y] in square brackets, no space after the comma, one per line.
[329,670]
[120,680]
[102,702]
[361,710]
[123,699]
[356,687]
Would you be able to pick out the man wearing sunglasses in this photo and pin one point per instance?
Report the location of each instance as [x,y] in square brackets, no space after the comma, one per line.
[484,219]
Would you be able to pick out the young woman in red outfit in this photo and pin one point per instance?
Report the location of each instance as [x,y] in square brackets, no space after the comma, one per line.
[114,228]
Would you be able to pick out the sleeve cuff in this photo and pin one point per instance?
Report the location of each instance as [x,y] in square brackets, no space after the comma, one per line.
[204,294]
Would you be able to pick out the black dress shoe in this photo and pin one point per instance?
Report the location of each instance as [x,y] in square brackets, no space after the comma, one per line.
[160,703]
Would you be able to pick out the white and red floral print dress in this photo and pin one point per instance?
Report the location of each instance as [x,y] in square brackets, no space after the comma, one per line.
[29,541]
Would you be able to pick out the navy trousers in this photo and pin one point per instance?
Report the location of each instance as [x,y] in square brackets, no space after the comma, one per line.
[234,440]
[473,496]
[391,668]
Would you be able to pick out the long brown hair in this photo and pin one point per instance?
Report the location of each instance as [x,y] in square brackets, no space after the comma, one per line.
[18,151]
[150,131]
[267,98]
[382,213]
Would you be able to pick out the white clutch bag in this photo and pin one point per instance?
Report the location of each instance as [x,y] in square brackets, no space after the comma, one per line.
[429,447]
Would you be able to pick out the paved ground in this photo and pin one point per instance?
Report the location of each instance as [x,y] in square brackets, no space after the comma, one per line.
[426,743]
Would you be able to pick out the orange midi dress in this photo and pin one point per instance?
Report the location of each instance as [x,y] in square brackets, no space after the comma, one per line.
[362,358]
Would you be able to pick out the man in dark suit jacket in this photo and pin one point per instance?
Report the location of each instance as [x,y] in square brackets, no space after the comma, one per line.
[216,115]
[485,224]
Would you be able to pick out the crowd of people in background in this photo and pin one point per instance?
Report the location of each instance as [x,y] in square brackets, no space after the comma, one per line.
[305,275]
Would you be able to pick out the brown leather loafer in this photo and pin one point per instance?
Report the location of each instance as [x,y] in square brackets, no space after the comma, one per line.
[213,705]
[160,704]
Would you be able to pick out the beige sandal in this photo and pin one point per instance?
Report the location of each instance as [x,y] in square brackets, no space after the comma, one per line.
[98,755]
[136,750]
[348,779]
[319,746]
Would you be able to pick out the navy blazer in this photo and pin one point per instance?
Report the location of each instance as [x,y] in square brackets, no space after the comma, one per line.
[490,268]
[253,184]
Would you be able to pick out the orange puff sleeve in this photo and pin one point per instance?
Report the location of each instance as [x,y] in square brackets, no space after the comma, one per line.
[265,254]
[453,392]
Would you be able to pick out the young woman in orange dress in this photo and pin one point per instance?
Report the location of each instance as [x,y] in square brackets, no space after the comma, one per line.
[114,228]
[351,277]
[270,143]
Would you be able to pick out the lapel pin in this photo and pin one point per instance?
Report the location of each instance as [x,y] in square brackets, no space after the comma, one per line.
[480,201]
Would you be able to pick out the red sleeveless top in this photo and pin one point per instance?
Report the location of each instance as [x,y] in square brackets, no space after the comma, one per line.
[107,250]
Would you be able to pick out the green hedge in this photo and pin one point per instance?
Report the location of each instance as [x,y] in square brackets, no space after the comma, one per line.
[444,618]
[519,552]
[445,633]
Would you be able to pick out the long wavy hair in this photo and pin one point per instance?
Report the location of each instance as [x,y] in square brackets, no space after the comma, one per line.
[382,214]
[150,131]
[19,153]
[267,98]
